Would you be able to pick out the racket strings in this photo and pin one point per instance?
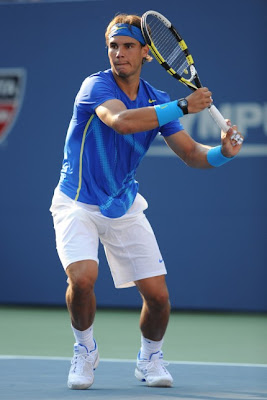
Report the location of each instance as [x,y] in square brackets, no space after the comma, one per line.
[167,45]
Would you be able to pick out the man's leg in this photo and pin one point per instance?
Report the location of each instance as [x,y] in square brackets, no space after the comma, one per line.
[153,324]
[81,303]
[156,307]
[80,296]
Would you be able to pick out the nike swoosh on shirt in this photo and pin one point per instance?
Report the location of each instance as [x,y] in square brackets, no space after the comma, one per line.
[151,101]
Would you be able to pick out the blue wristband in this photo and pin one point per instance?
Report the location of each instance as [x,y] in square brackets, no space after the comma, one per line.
[216,158]
[168,112]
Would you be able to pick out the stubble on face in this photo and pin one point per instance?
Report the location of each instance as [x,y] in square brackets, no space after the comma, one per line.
[129,62]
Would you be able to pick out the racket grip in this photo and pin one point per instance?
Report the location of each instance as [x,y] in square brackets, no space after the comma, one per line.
[218,118]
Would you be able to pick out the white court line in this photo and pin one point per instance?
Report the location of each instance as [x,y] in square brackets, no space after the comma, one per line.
[117,360]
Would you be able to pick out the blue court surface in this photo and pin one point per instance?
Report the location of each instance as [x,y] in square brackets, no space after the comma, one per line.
[44,378]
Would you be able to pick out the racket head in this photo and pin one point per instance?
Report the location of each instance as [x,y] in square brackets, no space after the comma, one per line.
[169,48]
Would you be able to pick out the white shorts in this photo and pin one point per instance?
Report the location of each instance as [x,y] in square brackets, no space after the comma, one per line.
[129,242]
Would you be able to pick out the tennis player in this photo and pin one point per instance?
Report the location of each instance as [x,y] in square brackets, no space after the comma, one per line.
[116,117]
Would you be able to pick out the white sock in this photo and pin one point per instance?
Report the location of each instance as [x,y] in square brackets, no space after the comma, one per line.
[149,346]
[85,337]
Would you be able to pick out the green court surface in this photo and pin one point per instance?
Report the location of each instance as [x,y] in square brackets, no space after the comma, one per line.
[201,337]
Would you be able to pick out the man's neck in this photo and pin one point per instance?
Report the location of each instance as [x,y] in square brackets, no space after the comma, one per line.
[129,85]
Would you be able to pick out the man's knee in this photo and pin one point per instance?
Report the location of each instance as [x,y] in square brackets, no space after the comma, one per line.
[158,301]
[154,292]
[82,275]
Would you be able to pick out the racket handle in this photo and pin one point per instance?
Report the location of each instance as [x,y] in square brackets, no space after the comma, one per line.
[218,118]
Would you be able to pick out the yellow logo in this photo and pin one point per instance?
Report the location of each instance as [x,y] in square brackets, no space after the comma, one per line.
[115,29]
[151,101]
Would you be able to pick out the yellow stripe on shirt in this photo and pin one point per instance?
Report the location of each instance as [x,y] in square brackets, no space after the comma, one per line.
[81,157]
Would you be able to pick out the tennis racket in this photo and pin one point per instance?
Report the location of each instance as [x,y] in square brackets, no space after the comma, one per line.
[171,51]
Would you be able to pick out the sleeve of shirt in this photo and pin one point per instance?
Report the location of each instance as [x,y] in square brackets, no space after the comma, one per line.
[171,128]
[94,91]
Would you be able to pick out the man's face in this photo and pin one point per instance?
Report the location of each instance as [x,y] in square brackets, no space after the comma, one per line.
[126,55]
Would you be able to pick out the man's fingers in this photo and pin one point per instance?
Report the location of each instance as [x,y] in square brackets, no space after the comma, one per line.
[235,136]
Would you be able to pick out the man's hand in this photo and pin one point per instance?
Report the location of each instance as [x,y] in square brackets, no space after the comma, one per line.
[199,100]
[231,141]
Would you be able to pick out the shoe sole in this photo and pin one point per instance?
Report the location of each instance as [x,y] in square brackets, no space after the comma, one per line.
[163,382]
[79,387]
[84,386]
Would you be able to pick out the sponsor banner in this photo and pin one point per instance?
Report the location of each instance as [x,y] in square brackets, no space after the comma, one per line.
[251,119]
[12,84]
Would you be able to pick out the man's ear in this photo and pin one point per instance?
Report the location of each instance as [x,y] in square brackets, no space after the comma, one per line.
[145,50]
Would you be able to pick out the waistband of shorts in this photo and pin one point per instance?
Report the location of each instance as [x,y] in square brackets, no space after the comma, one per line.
[139,204]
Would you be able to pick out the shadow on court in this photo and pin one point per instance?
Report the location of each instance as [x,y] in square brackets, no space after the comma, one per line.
[45,379]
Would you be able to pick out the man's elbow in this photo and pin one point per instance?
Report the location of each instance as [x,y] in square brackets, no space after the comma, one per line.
[121,125]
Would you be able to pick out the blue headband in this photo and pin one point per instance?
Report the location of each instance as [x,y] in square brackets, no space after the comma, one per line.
[127,30]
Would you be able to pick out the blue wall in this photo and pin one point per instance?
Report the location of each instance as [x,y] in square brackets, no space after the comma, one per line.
[211,225]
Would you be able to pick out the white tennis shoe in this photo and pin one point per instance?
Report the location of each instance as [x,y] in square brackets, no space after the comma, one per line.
[153,371]
[83,364]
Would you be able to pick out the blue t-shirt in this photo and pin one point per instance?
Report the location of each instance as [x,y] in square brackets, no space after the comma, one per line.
[100,164]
